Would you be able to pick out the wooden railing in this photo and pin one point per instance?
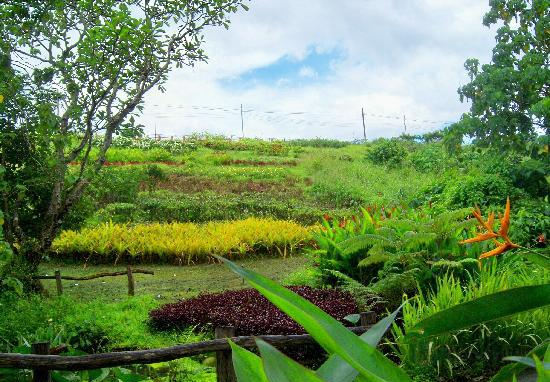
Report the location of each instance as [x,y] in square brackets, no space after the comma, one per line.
[129,273]
[42,362]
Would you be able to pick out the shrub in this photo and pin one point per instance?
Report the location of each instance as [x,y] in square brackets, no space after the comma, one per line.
[481,190]
[429,158]
[248,311]
[389,152]
[182,242]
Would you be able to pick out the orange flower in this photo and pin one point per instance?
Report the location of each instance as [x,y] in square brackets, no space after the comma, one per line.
[501,248]
[505,222]
[480,237]
[491,235]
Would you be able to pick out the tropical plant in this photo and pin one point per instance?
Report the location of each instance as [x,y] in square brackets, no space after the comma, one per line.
[352,357]
[406,239]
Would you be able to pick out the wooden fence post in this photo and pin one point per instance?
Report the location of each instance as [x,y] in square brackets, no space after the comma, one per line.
[368,318]
[41,375]
[131,285]
[58,283]
[224,363]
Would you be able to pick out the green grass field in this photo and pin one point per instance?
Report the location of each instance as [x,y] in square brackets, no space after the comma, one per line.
[169,283]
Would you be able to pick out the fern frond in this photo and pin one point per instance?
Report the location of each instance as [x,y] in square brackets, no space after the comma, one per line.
[362,243]
[378,258]
[413,239]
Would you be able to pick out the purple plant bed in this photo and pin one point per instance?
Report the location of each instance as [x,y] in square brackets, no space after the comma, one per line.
[248,311]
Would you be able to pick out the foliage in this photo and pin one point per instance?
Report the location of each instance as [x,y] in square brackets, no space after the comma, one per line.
[350,357]
[318,142]
[247,311]
[259,146]
[510,95]
[76,70]
[182,242]
[485,190]
[145,144]
[166,207]
[389,152]
[478,349]
[381,243]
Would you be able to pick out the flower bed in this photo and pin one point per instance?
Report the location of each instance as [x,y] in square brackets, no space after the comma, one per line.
[247,311]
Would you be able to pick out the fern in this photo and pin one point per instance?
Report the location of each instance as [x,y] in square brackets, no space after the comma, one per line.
[418,239]
[362,243]
[377,258]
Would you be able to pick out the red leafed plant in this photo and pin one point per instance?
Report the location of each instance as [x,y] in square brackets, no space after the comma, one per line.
[248,311]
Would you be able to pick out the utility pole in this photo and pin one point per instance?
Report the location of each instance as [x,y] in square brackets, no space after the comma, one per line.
[242,120]
[405,123]
[364,128]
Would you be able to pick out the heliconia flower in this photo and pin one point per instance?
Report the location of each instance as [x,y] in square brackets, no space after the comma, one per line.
[505,222]
[480,237]
[491,235]
[500,249]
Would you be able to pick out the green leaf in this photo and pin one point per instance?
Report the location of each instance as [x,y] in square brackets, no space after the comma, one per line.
[248,366]
[506,373]
[483,309]
[279,368]
[536,258]
[329,333]
[530,362]
[335,369]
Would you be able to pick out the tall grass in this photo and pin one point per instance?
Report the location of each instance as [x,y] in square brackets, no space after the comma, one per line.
[480,349]
[344,178]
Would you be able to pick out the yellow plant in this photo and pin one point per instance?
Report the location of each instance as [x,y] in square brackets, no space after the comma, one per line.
[184,242]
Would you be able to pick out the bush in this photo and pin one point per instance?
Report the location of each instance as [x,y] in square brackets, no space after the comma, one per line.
[430,158]
[248,311]
[389,152]
[481,190]
[182,242]
[531,176]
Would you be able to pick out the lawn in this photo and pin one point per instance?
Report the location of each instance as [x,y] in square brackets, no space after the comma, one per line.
[169,282]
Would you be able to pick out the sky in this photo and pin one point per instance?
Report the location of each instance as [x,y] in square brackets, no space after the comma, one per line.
[306,68]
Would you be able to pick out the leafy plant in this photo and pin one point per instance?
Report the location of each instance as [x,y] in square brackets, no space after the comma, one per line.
[350,357]
[247,311]
[182,243]
[389,152]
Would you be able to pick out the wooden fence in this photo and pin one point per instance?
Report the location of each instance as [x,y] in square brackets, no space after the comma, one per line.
[129,273]
[42,362]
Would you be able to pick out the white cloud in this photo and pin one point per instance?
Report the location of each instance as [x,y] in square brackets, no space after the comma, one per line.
[399,58]
[307,72]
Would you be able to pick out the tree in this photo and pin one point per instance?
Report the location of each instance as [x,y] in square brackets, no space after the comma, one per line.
[73,71]
[510,95]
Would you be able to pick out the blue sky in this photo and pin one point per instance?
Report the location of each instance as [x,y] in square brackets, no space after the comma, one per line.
[306,69]
[288,71]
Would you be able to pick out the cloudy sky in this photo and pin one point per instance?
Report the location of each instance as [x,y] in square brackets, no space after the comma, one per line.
[306,68]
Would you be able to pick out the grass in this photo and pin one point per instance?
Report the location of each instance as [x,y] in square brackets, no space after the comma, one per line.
[169,282]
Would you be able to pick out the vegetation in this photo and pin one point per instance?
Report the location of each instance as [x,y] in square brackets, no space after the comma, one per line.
[510,99]
[182,243]
[247,311]
[388,225]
